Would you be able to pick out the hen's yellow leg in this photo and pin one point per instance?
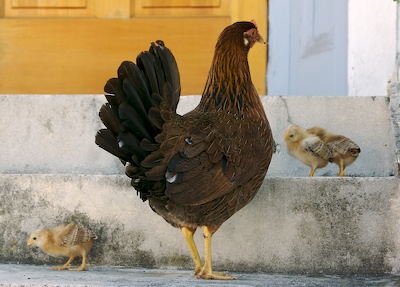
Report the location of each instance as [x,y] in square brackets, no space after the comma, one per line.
[188,234]
[207,272]
[65,266]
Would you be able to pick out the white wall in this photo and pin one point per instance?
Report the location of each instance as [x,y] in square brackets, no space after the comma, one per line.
[278,47]
[372,46]
[307,47]
[331,47]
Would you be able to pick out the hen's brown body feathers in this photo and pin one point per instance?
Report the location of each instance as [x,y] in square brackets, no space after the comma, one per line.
[200,168]
[70,240]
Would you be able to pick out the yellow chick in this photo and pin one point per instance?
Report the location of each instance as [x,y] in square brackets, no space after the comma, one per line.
[306,147]
[344,150]
[70,240]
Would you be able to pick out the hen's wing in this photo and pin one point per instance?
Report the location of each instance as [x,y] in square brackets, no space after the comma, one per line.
[214,155]
[72,234]
[316,147]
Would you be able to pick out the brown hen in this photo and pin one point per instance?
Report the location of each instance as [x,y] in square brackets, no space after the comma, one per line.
[70,240]
[198,169]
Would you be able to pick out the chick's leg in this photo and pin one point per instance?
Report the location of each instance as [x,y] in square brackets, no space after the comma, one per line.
[65,266]
[188,234]
[341,167]
[83,265]
[207,272]
[313,169]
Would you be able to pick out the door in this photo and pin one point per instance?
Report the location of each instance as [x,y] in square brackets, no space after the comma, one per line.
[74,46]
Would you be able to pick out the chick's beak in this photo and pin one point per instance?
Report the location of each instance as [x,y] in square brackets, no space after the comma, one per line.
[29,243]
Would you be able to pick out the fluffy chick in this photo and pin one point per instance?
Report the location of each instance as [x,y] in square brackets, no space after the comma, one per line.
[307,148]
[70,240]
[344,151]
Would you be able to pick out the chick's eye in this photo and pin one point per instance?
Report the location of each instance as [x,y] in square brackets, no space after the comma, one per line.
[34,238]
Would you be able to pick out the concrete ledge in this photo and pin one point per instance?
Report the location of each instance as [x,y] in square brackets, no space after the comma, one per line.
[54,134]
[294,225]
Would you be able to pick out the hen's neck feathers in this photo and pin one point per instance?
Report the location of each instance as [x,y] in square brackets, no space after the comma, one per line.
[229,85]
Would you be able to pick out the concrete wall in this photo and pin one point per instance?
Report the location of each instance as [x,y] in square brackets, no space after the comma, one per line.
[51,172]
[394,92]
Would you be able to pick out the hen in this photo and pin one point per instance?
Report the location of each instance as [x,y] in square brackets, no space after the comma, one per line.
[70,240]
[198,169]
[306,147]
[344,151]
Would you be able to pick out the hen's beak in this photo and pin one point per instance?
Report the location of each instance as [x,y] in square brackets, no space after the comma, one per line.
[260,40]
[255,39]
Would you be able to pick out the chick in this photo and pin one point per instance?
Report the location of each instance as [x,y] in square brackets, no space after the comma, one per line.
[344,150]
[65,240]
[306,147]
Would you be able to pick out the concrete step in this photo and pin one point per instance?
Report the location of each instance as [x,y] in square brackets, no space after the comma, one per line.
[320,225]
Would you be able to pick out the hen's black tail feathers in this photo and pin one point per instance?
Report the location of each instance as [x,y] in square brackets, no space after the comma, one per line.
[133,114]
